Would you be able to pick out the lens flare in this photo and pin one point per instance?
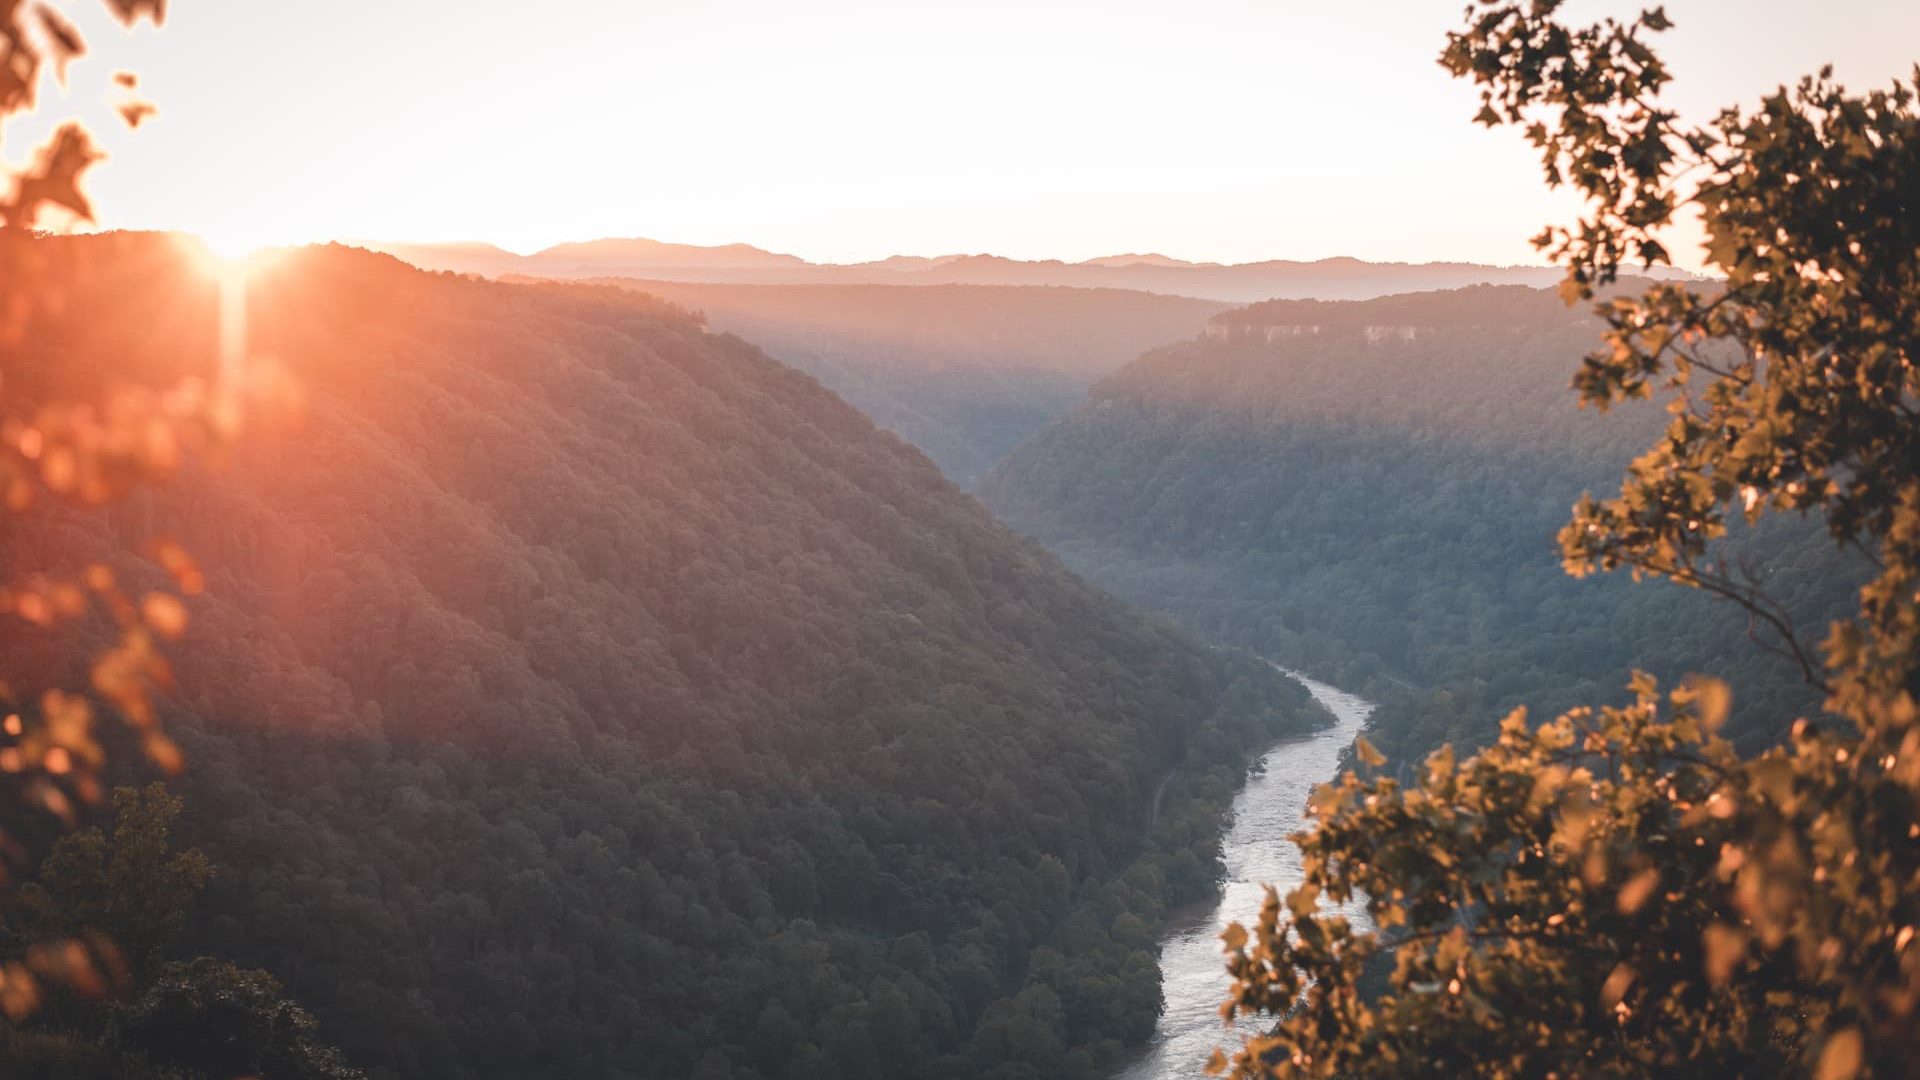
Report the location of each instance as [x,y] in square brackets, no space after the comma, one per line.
[229,262]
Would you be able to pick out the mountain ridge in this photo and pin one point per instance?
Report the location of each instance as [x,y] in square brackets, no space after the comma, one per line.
[1336,277]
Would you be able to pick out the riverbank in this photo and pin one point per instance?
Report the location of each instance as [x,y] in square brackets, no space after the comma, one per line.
[1270,808]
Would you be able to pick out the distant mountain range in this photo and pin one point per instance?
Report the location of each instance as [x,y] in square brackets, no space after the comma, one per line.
[1327,279]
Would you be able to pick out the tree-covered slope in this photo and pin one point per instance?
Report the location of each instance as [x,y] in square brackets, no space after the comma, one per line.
[1371,490]
[964,372]
[582,693]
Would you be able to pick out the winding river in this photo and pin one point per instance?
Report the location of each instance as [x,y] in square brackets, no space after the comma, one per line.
[1268,809]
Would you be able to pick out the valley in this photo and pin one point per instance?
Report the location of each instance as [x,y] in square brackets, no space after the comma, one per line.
[956,541]
[574,674]
[1370,491]
[699,681]
[1258,854]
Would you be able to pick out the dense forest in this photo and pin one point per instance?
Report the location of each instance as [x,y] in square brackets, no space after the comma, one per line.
[1370,491]
[580,692]
[964,372]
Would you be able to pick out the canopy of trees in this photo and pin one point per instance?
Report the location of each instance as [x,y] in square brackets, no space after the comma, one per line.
[584,693]
[164,1019]
[1381,509]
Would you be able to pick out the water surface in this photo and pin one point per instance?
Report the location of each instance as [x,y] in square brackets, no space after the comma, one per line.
[1269,809]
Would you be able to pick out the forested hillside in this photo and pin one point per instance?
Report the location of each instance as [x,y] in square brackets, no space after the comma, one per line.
[964,372]
[582,693]
[1371,490]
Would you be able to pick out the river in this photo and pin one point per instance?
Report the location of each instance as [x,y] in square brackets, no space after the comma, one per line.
[1269,809]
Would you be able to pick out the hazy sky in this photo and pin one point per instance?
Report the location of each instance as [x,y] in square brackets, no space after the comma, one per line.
[839,130]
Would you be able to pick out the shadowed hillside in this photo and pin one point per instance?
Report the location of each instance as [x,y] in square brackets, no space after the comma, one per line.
[1371,491]
[582,693]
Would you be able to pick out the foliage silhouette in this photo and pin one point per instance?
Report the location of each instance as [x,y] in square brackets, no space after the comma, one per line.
[97,441]
[1617,891]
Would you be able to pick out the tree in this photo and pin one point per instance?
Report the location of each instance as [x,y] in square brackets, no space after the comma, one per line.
[127,884]
[1616,892]
[213,1019]
[126,893]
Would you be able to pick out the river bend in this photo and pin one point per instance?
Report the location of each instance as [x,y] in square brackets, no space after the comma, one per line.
[1270,808]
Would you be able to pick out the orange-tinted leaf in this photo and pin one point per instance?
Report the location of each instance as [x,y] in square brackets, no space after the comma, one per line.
[66,41]
[134,113]
[165,613]
[1841,1057]
[1633,895]
[129,11]
[181,565]
[19,992]
[1615,988]
[1712,700]
[70,965]
[1726,947]
[1234,937]
[1367,753]
[164,753]
[55,175]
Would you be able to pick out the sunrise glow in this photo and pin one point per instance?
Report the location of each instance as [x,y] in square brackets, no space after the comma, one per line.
[236,244]
[231,263]
[1223,130]
[959,539]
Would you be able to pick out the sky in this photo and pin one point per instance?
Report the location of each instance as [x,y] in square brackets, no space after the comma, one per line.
[843,130]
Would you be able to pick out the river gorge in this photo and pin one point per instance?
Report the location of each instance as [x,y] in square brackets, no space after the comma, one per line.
[1270,808]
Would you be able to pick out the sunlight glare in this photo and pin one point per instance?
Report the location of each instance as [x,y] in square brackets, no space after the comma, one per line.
[232,245]
[228,263]
[233,326]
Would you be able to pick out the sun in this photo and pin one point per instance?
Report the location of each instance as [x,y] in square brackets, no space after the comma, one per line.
[219,255]
[231,245]
[245,237]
